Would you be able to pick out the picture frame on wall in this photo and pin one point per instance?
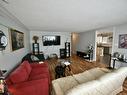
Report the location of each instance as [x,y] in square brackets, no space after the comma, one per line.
[123,41]
[17,39]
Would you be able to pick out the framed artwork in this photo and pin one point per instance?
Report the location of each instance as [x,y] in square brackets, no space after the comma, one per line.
[123,41]
[17,39]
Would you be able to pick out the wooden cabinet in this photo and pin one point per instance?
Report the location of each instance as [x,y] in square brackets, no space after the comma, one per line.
[83,55]
[65,52]
[35,48]
[62,53]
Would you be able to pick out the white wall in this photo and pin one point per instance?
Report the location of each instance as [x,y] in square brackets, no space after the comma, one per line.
[86,38]
[121,29]
[47,50]
[8,58]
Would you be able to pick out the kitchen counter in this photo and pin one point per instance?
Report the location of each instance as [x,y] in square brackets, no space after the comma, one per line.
[106,48]
[104,45]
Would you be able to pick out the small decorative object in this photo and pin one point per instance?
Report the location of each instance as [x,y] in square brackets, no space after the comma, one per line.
[3,41]
[67,49]
[90,51]
[116,54]
[90,48]
[123,41]
[17,39]
[35,38]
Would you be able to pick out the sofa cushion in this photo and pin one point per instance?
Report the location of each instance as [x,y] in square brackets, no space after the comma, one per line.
[36,65]
[96,72]
[121,71]
[88,88]
[66,83]
[27,66]
[38,70]
[91,74]
[110,82]
[19,75]
[39,76]
[84,77]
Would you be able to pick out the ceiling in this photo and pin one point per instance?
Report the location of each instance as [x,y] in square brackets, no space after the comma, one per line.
[68,15]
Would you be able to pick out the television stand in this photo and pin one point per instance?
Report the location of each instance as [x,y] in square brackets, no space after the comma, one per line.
[62,53]
[83,55]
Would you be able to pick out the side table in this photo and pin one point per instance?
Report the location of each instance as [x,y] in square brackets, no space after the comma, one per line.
[67,64]
[119,60]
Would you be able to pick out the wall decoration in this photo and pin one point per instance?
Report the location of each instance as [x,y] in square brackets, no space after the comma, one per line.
[3,41]
[123,41]
[17,39]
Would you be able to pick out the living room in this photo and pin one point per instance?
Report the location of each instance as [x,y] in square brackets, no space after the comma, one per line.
[71,21]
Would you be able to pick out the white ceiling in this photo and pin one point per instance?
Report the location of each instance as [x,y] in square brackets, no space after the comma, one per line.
[68,15]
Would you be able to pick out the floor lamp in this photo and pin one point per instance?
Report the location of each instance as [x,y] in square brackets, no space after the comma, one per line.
[3,87]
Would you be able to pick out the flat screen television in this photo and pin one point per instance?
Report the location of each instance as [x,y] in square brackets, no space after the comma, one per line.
[49,40]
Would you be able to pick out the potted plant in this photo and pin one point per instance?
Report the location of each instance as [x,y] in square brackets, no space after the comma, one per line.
[90,51]
[35,38]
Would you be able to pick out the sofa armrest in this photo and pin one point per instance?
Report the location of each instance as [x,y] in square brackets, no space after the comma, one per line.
[34,87]
[56,89]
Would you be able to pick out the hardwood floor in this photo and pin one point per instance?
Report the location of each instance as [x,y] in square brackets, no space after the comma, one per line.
[79,65]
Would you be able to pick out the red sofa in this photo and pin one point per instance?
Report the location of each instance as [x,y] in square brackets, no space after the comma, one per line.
[29,79]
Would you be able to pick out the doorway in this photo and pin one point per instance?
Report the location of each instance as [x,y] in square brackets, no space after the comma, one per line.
[74,42]
[104,43]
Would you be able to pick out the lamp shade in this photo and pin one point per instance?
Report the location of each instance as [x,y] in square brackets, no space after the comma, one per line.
[3,86]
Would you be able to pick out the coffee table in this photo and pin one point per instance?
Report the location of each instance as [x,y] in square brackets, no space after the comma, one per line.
[67,64]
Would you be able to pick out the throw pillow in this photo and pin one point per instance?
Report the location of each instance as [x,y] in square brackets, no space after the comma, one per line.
[34,58]
[27,66]
[19,75]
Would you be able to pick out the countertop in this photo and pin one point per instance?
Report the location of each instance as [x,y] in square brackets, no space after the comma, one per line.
[104,45]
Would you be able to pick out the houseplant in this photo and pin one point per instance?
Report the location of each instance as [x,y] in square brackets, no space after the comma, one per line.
[35,38]
[90,51]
